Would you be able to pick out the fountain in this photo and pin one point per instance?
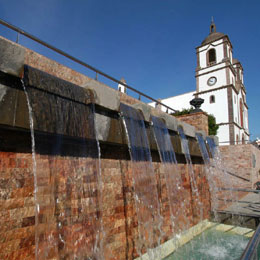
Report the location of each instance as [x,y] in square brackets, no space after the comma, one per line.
[67,192]
[90,173]
[145,187]
[175,191]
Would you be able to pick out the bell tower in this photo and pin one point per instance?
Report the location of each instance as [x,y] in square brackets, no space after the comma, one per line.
[214,55]
[218,82]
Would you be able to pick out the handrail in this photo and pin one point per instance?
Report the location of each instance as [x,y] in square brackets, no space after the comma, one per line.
[252,250]
[239,189]
[19,30]
[230,173]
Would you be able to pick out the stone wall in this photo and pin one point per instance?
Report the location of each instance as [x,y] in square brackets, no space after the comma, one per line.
[198,120]
[17,212]
[61,214]
[243,160]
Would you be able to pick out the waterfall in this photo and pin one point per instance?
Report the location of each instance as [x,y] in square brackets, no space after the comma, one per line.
[194,187]
[34,164]
[210,173]
[144,182]
[223,180]
[67,177]
[175,191]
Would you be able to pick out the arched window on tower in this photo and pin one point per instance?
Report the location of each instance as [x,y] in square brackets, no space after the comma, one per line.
[212,99]
[237,139]
[211,57]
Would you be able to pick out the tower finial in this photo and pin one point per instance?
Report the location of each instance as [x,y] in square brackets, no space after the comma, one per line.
[212,26]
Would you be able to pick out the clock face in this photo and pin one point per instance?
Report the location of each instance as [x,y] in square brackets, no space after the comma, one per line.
[212,81]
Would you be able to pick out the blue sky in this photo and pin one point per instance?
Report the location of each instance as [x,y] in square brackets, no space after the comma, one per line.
[151,43]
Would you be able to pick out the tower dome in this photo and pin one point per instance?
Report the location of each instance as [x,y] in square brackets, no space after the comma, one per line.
[213,35]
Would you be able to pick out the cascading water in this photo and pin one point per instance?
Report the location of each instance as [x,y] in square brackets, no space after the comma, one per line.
[145,186]
[67,178]
[210,173]
[194,187]
[224,181]
[35,192]
[175,191]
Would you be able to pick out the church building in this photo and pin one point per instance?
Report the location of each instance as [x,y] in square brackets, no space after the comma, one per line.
[220,82]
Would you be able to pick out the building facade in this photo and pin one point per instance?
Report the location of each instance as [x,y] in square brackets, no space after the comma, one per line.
[220,82]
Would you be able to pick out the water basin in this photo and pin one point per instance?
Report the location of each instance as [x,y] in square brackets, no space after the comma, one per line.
[213,244]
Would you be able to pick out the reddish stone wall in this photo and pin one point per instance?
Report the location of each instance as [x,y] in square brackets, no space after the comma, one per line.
[17,216]
[198,120]
[243,160]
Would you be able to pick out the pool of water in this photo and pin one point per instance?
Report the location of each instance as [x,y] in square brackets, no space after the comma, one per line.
[212,245]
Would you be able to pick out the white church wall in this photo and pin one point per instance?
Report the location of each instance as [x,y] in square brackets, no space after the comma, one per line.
[223,134]
[246,119]
[209,69]
[235,107]
[177,102]
[237,133]
[203,52]
[219,52]
[221,80]
[219,108]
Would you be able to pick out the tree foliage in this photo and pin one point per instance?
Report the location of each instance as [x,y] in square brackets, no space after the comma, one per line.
[213,127]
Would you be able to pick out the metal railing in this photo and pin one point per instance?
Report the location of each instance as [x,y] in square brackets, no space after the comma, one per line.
[239,189]
[252,250]
[28,35]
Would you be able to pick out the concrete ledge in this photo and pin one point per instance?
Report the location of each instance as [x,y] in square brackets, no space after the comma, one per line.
[171,122]
[56,86]
[189,130]
[105,96]
[202,133]
[12,57]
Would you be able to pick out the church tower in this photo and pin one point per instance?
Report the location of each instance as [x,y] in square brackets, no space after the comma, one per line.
[219,81]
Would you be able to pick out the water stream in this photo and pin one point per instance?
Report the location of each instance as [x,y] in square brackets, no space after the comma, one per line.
[223,182]
[175,191]
[145,185]
[34,165]
[67,190]
[210,174]
[197,206]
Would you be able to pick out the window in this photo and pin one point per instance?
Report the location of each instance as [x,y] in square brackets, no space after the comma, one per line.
[243,139]
[119,89]
[211,56]
[212,99]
